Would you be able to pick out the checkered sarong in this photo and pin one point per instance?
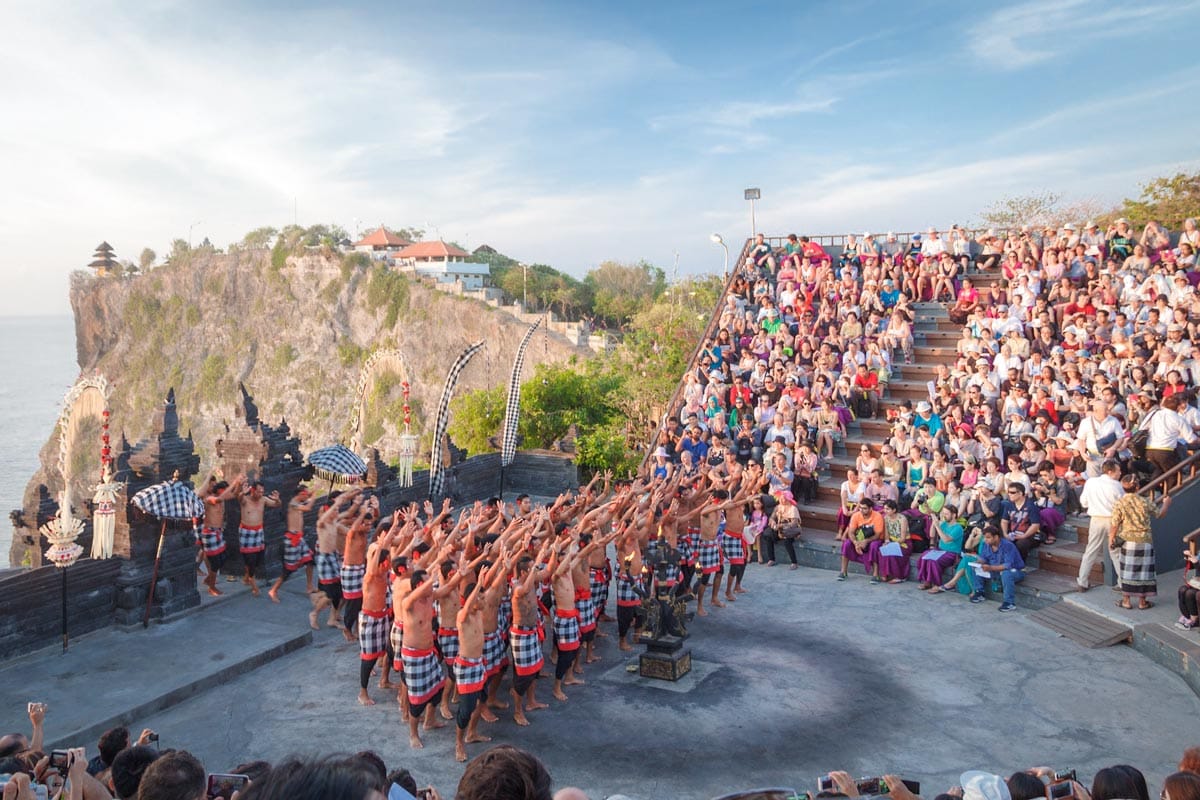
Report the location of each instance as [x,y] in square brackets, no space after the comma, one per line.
[710,558]
[448,644]
[733,547]
[328,568]
[495,653]
[423,675]
[689,546]
[396,638]
[251,539]
[372,634]
[566,629]
[470,675]
[212,540]
[504,615]
[1138,575]
[296,552]
[587,610]
[526,650]
[598,582]
[352,580]
[627,592]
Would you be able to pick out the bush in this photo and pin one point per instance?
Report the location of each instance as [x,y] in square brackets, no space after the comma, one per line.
[387,289]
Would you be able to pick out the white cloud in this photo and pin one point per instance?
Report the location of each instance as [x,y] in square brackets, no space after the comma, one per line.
[1029,33]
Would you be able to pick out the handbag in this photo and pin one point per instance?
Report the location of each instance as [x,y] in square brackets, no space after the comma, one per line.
[1139,440]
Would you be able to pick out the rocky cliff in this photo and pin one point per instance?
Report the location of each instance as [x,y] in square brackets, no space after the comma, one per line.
[295,332]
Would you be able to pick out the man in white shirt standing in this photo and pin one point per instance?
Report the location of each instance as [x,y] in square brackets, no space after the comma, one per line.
[1100,437]
[1099,495]
[1167,429]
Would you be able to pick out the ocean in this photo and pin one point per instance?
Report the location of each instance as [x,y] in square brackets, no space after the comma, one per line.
[37,361]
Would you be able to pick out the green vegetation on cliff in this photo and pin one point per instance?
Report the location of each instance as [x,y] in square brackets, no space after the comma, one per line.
[611,400]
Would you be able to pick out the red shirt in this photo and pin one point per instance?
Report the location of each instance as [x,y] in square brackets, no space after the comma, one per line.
[868,381]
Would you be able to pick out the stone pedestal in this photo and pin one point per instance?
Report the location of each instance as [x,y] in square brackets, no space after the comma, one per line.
[665,658]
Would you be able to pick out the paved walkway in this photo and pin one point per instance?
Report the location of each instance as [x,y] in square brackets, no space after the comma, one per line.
[122,676]
[800,676]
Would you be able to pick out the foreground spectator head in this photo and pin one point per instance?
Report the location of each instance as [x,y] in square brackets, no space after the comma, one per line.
[174,776]
[1181,786]
[1190,761]
[404,779]
[12,743]
[1024,786]
[504,773]
[127,769]
[112,741]
[344,778]
[1120,782]
[254,770]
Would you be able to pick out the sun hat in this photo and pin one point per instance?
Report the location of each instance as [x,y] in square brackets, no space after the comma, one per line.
[978,785]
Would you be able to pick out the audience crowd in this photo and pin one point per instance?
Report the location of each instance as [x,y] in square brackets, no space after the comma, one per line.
[1078,354]
[133,770]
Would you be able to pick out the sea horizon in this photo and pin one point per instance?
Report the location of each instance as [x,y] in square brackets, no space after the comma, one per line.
[40,360]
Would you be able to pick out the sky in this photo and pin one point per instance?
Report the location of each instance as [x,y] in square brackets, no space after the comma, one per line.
[568,133]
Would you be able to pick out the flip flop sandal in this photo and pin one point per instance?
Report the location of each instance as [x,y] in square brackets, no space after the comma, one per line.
[1120,604]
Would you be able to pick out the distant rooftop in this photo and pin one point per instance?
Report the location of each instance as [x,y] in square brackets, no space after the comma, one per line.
[382,237]
[429,250]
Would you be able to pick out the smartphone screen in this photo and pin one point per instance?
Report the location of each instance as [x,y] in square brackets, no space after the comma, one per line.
[223,786]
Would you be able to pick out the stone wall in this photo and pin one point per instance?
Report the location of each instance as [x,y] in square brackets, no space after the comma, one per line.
[31,604]
[114,591]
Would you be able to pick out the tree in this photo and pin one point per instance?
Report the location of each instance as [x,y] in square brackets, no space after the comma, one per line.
[1033,210]
[146,259]
[622,290]
[260,238]
[180,253]
[476,416]
[1166,200]
[413,234]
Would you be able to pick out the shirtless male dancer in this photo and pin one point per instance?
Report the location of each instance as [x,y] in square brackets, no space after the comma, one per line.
[328,558]
[566,616]
[215,493]
[709,558]
[527,634]
[470,673]
[424,677]
[374,620]
[354,561]
[733,543]
[296,552]
[251,539]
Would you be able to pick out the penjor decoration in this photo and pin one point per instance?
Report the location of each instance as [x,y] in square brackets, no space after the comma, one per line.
[61,532]
[437,476]
[89,398]
[408,442]
[512,408]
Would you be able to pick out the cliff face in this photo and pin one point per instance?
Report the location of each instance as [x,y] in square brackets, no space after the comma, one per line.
[296,334]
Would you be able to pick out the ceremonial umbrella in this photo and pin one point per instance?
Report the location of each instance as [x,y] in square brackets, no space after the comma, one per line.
[337,464]
[169,500]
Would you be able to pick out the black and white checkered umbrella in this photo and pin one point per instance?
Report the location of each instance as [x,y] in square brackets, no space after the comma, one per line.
[170,500]
[337,463]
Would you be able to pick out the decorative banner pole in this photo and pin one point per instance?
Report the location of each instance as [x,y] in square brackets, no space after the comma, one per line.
[408,442]
[104,521]
[437,476]
[512,408]
[62,531]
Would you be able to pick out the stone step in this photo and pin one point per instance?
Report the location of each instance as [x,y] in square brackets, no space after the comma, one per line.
[1063,558]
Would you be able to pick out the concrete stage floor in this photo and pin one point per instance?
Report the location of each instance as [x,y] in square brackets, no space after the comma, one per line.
[800,676]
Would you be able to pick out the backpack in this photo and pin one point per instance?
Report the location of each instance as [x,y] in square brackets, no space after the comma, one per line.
[917,538]
[862,406]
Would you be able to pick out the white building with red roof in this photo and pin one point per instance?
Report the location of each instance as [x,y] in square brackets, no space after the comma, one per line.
[381,240]
[443,262]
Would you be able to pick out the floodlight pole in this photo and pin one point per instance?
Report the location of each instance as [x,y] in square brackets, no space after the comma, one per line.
[752,195]
[716,239]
